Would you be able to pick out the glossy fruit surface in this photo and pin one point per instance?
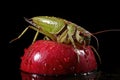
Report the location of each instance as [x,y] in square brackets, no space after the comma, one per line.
[48,57]
[87,60]
[52,58]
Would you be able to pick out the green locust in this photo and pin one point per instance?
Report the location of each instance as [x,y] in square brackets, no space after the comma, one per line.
[58,29]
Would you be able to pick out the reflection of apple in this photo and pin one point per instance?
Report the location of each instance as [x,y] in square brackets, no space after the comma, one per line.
[29,76]
[52,58]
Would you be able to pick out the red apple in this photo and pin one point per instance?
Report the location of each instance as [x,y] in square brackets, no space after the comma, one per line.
[52,58]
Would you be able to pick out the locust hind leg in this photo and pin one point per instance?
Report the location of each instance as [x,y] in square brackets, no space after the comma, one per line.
[19,35]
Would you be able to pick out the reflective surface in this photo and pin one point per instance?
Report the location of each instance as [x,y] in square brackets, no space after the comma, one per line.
[87,76]
[91,76]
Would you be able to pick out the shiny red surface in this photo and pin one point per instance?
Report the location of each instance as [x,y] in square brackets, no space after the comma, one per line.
[52,58]
[87,60]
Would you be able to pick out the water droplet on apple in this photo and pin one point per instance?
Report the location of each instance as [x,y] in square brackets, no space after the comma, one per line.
[37,56]
[45,64]
[60,66]
[72,68]
[67,59]
[54,69]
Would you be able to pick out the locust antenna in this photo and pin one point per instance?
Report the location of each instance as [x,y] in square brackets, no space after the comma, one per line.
[96,40]
[97,54]
[22,31]
[108,30]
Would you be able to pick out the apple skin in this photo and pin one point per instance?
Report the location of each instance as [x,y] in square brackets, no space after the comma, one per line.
[51,58]
[87,61]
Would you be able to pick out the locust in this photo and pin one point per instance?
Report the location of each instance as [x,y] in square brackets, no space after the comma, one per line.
[58,29]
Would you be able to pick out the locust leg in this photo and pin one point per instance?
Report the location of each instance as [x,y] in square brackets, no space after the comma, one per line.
[19,35]
[43,32]
[71,32]
[96,54]
[62,38]
[38,31]
[73,43]
[35,37]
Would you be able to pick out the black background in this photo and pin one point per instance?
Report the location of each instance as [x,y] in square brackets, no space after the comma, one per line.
[92,17]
